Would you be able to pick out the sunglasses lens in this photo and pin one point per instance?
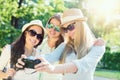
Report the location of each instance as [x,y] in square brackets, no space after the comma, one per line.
[71,27]
[32,32]
[50,26]
[39,36]
[57,28]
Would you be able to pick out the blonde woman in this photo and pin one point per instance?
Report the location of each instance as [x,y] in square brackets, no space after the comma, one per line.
[81,54]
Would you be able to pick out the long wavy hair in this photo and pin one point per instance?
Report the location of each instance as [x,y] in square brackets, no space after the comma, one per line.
[83,40]
[18,47]
[57,16]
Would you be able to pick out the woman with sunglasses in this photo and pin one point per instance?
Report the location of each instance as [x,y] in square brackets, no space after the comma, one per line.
[50,45]
[52,40]
[82,51]
[53,35]
[32,36]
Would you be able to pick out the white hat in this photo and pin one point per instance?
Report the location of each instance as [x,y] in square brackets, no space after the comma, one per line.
[71,15]
[33,22]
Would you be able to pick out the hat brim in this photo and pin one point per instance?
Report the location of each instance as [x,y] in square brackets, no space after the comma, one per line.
[29,24]
[72,18]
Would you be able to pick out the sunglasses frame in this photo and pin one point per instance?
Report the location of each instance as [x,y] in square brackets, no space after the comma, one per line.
[56,28]
[34,33]
[70,27]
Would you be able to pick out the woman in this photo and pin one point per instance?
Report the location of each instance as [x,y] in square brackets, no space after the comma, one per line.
[53,35]
[81,53]
[32,36]
[52,40]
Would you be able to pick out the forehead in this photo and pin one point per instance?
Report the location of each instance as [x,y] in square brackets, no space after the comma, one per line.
[55,21]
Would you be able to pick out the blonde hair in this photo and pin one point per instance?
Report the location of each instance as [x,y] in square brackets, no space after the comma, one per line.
[83,40]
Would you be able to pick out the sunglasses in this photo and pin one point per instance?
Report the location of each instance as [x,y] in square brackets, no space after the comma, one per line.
[70,27]
[56,28]
[34,33]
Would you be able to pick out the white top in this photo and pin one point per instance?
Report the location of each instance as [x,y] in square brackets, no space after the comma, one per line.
[21,74]
[25,74]
[45,49]
[5,57]
[86,66]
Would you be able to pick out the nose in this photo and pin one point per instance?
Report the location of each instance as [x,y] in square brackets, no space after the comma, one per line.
[52,29]
[35,37]
[69,33]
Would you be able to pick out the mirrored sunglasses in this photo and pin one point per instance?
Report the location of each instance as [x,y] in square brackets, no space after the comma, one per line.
[70,27]
[56,28]
[34,33]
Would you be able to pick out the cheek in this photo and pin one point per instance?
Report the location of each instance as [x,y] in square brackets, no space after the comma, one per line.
[37,41]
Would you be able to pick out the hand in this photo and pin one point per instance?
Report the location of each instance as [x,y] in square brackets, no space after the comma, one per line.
[99,42]
[10,72]
[20,63]
[44,66]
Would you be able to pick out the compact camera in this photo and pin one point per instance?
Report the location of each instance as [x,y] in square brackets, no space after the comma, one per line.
[30,62]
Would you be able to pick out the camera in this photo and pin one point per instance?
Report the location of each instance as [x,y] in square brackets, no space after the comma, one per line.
[30,62]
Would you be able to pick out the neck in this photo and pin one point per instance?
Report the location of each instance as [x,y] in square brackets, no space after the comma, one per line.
[28,50]
[52,42]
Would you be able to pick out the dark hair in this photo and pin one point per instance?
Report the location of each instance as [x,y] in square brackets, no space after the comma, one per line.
[58,17]
[18,47]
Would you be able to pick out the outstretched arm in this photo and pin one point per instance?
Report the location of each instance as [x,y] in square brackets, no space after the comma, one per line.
[80,65]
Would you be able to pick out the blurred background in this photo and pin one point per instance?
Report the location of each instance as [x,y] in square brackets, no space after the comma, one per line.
[103,19]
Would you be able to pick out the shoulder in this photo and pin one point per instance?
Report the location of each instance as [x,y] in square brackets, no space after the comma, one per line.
[6,47]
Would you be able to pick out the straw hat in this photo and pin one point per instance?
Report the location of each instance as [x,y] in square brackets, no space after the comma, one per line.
[33,22]
[72,14]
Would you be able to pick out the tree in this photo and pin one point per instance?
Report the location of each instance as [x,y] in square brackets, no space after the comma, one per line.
[18,12]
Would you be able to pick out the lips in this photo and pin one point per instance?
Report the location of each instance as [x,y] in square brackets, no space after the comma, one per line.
[33,42]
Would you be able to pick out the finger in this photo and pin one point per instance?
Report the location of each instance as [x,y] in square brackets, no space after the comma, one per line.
[42,59]
[99,42]
[40,65]
[19,65]
[42,68]
[20,62]
[23,56]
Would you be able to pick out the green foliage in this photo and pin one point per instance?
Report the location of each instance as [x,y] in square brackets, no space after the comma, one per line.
[111,60]
[29,10]
[114,75]
[8,35]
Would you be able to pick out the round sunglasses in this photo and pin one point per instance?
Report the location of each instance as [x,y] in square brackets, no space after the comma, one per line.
[56,28]
[34,33]
[70,27]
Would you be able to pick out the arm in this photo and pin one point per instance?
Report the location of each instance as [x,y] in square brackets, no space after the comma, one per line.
[82,65]
[52,57]
[90,60]
[5,56]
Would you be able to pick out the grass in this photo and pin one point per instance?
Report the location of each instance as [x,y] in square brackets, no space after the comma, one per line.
[108,74]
